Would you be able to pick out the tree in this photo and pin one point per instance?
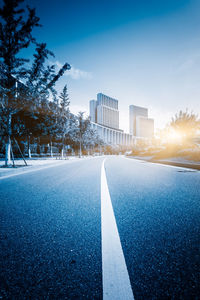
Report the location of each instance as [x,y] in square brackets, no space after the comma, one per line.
[64,103]
[73,133]
[83,127]
[40,81]
[16,35]
[186,124]
[64,121]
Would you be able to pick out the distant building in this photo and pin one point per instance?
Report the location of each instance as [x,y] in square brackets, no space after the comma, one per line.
[134,112]
[93,111]
[104,116]
[139,124]
[104,111]
[144,127]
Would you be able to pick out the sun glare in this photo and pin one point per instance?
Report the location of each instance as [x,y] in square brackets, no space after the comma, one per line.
[173,136]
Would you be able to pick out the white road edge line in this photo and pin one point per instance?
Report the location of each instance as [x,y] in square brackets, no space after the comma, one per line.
[116,282]
[160,164]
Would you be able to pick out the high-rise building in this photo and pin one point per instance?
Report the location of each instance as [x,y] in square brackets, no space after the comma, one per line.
[134,112]
[139,123]
[144,127]
[104,117]
[104,111]
[93,111]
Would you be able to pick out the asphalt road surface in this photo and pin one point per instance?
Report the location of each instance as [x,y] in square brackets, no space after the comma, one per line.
[57,232]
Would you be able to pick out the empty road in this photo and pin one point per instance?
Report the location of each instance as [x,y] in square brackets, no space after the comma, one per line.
[101,228]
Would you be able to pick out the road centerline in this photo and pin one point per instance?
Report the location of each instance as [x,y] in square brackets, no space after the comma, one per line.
[116,282]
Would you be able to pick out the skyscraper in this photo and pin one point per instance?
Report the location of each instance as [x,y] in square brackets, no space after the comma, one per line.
[139,123]
[93,110]
[104,111]
[134,112]
[144,127]
[104,116]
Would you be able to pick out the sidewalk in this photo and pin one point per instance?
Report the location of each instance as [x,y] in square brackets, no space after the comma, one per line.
[32,164]
[172,161]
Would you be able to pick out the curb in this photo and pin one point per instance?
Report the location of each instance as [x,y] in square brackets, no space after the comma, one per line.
[170,163]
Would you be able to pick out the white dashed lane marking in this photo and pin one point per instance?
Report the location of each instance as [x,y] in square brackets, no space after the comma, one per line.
[116,282]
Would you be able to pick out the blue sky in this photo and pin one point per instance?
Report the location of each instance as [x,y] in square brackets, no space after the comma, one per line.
[141,52]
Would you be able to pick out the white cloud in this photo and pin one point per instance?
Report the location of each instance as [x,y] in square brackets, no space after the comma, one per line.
[75,73]
[188,63]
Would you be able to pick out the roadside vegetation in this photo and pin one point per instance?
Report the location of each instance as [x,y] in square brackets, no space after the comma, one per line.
[180,139]
[34,117]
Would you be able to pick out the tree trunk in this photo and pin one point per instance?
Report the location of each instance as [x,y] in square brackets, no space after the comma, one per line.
[80,150]
[38,146]
[51,150]
[8,152]
[29,147]
[8,142]
[62,152]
